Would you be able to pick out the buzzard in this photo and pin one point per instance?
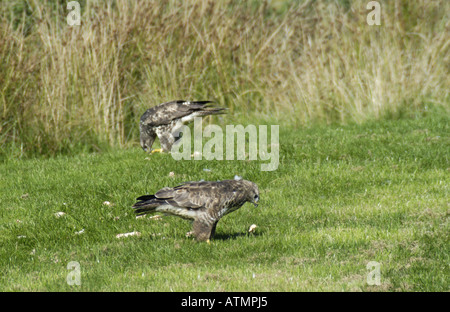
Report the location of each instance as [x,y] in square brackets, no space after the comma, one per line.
[166,119]
[203,202]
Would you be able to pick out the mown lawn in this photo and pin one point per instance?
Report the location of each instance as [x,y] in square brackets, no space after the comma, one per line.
[342,196]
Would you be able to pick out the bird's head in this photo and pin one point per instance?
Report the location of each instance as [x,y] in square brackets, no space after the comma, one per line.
[252,192]
[147,138]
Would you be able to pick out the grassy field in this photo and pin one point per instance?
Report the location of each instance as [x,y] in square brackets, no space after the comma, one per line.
[342,196]
[363,114]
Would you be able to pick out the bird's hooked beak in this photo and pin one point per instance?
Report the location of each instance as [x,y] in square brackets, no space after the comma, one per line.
[255,201]
[147,149]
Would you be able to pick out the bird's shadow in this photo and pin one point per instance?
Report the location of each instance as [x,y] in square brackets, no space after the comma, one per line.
[228,236]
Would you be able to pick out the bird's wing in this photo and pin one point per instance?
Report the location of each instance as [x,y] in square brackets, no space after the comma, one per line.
[167,112]
[194,195]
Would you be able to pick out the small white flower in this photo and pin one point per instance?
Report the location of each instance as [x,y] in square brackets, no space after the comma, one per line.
[236,177]
[171,174]
[252,228]
[106,203]
[79,232]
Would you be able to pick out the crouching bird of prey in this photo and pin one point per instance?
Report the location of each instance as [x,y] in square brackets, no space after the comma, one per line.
[165,121]
[203,202]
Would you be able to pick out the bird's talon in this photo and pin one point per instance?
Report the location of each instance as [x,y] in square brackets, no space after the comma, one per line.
[156,150]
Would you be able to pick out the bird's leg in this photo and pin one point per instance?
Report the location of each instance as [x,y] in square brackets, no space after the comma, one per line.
[213,230]
[202,230]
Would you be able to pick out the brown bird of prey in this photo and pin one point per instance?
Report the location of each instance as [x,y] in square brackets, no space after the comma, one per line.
[165,121]
[203,202]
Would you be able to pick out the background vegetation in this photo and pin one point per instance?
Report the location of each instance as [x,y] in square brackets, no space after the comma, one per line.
[66,88]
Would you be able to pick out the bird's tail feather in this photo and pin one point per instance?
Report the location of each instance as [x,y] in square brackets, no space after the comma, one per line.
[146,204]
[205,108]
[202,102]
[146,197]
[213,111]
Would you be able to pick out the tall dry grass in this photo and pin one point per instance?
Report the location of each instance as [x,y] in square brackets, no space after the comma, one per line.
[65,88]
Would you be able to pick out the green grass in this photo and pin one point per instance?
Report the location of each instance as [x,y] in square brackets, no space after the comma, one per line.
[342,196]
